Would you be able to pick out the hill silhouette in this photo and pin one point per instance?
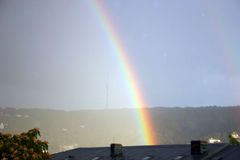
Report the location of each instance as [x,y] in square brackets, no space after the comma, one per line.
[89,128]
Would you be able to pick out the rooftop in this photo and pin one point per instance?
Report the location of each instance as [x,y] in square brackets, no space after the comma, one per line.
[160,152]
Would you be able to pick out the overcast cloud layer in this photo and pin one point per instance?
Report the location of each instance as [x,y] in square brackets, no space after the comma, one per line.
[54,54]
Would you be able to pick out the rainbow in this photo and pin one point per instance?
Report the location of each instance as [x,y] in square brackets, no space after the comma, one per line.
[228,56]
[144,120]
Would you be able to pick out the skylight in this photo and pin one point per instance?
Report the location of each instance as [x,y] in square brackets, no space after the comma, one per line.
[179,157]
[147,158]
[97,158]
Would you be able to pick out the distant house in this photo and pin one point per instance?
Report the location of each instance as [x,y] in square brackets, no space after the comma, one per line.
[214,140]
[158,152]
[1,126]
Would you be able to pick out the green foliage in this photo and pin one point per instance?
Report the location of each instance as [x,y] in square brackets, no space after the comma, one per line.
[25,146]
[233,140]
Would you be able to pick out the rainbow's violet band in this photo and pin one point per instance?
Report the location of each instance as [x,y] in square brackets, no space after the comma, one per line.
[144,119]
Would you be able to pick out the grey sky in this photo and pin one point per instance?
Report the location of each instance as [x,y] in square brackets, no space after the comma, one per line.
[54,54]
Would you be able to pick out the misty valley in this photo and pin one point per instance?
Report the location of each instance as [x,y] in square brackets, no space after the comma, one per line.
[66,130]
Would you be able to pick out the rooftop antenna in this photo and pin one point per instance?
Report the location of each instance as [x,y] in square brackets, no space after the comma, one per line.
[107,91]
[107,80]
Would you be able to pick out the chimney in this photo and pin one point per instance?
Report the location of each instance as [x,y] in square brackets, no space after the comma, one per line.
[198,147]
[116,151]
